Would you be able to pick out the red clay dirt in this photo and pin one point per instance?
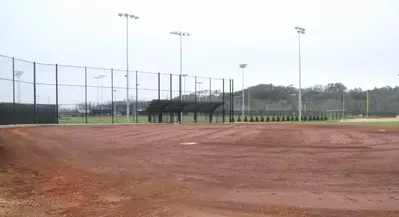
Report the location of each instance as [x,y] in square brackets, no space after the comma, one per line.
[219,170]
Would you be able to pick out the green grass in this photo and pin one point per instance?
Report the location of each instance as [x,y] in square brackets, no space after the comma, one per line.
[337,122]
[217,119]
[141,119]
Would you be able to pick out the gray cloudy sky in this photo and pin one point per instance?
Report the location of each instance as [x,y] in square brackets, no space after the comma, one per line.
[350,41]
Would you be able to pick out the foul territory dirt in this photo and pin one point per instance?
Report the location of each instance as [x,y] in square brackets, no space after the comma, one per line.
[199,170]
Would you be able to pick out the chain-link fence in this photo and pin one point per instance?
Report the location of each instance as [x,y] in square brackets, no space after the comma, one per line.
[34,92]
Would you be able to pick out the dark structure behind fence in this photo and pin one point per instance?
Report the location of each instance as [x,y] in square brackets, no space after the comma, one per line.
[11,113]
[41,93]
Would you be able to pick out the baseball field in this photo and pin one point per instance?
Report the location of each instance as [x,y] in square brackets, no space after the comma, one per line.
[266,169]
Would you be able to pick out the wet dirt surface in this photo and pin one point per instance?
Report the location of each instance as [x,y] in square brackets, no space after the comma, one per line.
[199,170]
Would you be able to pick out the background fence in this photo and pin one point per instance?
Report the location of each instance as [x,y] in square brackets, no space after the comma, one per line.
[76,94]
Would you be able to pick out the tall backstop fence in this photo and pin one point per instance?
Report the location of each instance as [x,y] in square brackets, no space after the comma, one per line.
[38,93]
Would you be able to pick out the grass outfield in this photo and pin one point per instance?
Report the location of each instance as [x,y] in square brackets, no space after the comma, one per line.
[217,119]
[123,119]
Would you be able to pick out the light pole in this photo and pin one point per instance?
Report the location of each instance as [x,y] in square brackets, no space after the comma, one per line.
[136,99]
[18,75]
[37,98]
[184,87]
[198,90]
[300,31]
[114,102]
[127,16]
[243,66]
[100,77]
[249,103]
[181,34]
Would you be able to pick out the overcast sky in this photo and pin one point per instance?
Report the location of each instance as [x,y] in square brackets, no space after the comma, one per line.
[350,41]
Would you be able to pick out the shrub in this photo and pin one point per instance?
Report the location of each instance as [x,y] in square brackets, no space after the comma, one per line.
[325,118]
[262,119]
[310,118]
[232,119]
[267,119]
[288,118]
[283,118]
[304,118]
[273,119]
[256,119]
[245,119]
[239,119]
[296,118]
[317,118]
[278,118]
[251,119]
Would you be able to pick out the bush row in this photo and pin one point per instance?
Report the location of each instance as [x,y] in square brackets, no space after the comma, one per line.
[279,118]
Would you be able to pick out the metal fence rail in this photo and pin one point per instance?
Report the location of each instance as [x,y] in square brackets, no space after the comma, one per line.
[87,95]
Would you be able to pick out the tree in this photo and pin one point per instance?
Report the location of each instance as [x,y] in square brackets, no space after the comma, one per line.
[273,119]
[245,119]
[283,118]
[251,119]
[262,119]
[239,119]
[267,119]
[256,119]
[278,118]
[288,118]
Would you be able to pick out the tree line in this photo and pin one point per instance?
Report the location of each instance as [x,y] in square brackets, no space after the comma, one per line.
[322,97]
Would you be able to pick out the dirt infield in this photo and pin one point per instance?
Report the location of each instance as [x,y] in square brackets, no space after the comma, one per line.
[199,170]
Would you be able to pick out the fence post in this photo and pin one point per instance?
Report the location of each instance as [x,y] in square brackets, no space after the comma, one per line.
[195,99]
[210,99]
[112,96]
[137,97]
[171,114]
[56,93]
[86,95]
[223,101]
[34,92]
[13,92]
